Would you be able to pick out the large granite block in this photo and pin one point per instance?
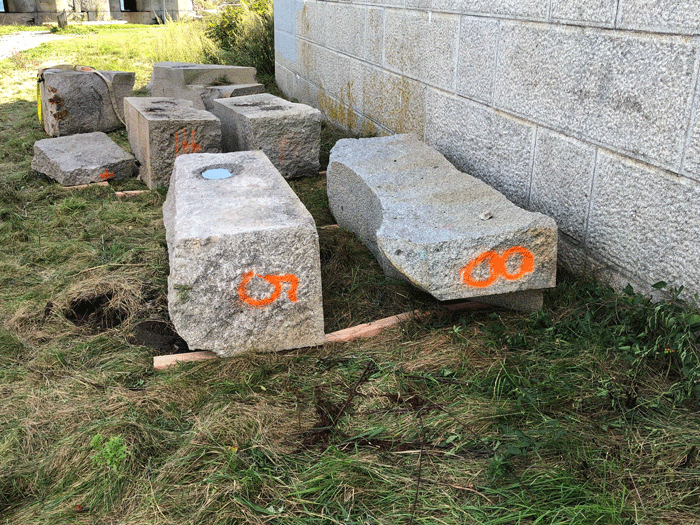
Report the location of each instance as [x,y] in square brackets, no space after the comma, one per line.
[161,129]
[82,159]
[476,67]
[442,230]
[80,102]
[623,90]
[288,133]
[663,16]
[245,271]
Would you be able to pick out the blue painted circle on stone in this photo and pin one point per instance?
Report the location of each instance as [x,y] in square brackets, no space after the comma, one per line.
[216,173]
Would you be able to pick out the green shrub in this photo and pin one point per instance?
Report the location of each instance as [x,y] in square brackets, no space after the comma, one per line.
[245,33]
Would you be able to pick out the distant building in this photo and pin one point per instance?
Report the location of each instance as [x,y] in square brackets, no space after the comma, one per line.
[134,11]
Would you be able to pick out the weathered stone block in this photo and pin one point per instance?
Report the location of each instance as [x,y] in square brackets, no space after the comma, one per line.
[79,101]
[82,159]
[442,230]
[169,79]
[245,271]
[623,90]
[288,133]
[482,142]
[161,129]
[203,96]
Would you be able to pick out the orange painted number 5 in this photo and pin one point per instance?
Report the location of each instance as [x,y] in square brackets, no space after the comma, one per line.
[276,281]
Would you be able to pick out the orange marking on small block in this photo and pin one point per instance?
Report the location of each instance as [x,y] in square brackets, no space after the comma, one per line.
[187,146]
[106,175]
[274,280]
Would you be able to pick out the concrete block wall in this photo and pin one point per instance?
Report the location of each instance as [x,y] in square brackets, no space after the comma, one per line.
[586,110]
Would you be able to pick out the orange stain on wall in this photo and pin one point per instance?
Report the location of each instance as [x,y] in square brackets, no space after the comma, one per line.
[497,267]
[274,280]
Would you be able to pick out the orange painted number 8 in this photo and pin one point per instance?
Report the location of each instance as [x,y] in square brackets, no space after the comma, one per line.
[274,280]
[497,267]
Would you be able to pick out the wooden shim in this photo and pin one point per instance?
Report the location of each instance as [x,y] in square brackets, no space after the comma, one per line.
[164,361]
[361,331]
[83,186]
[130,193]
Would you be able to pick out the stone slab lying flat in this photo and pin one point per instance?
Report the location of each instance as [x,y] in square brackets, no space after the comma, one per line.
[442,230]
[288,133]
[161,129]
[82,159]
[169,79]
[79,101]
[245,270]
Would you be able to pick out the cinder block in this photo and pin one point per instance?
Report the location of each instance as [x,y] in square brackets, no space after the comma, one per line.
[527,9]
[394,101]
[561,181]
[645,221]
[483,143]
[79,101]
[626,91]
[82,159]
[310,21]
[288,133]
[597,12]
[161,129]
[407,51]
[245,272]
[664,16]
[443,231]
[344,24]
[478,41]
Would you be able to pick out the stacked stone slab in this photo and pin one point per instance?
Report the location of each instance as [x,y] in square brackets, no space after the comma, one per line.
[80,101]
[288,133]
[82,159]
[201,83]
[161,129]
[442,230]
[244,257]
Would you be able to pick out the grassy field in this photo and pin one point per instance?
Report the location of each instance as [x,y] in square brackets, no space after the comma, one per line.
[585,412]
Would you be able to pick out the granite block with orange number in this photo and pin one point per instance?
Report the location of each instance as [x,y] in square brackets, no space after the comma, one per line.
[81,102]
[288,133]
[161,129]
[442,230]
[82,159]
[245,271]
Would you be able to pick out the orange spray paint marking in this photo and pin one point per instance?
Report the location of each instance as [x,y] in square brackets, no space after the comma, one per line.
[187,146]
[106,175]
[497,267]
[274,280]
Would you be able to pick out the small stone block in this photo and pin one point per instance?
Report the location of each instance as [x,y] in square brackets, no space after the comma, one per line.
[205,95]
[160,129]
[442,230]
[169,78]
[245,271]
[79,101]
[82,159]
[288,133]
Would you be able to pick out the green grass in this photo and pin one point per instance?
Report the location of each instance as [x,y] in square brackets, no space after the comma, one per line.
[574,414]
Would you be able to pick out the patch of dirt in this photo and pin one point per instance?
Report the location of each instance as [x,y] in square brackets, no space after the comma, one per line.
[95,313]
[158,335]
